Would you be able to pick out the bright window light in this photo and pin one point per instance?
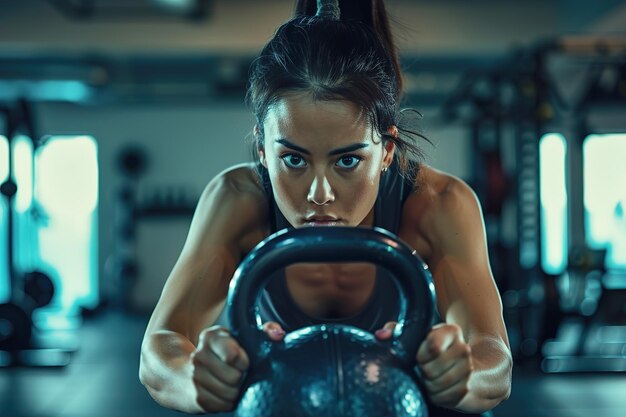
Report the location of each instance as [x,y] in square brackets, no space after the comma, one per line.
[4,261]
[552,151]
[604,181]
[67,190]
[67,180]
[4,159]
[23,169]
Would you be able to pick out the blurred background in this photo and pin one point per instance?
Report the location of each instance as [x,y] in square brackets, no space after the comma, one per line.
[114,114]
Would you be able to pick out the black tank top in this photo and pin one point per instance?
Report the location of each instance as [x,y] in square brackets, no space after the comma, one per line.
[277,304]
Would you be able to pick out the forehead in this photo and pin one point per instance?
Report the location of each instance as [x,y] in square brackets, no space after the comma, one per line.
[301,118]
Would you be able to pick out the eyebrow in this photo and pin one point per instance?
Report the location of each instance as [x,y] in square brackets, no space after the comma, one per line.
[349,148]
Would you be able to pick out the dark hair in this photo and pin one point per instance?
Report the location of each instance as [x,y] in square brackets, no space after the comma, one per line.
[351,59]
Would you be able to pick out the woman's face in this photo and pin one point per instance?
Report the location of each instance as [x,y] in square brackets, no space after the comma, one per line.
[324,161]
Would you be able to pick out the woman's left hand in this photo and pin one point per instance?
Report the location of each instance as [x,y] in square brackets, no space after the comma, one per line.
[445,360]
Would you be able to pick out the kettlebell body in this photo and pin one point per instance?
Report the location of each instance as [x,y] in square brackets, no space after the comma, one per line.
[331,370]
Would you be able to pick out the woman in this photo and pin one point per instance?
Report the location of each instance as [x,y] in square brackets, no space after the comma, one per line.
[332,151]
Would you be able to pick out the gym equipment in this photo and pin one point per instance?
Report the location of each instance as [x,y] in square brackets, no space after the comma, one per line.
[16,318]
[507,107]
[136,203]
[32,289]
[332,369]
[132,163]
[16,326]
[39,287]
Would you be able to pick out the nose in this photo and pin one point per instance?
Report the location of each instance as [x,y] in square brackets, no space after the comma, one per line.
[320,192]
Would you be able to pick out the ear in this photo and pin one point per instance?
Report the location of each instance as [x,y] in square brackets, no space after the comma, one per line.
[388,152]
[260,149]
[262,158]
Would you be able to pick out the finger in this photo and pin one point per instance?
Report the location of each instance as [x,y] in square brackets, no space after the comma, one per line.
[274,331]
[211,403]
[227,349]
[457,353]
[460,371]
[451,396]
[222,371]
[387,331]
[438,340]
[204,379]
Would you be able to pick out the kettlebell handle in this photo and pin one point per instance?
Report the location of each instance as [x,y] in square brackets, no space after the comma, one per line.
[332,244]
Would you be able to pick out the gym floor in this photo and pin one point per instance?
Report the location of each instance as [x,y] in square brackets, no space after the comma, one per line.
[101,380]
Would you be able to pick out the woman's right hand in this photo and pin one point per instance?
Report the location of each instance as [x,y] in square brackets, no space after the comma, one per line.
[218,364]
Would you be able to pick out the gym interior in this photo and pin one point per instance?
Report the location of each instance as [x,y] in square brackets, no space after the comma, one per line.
[115,114]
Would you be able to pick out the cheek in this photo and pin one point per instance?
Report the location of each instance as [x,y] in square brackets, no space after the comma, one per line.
[361,193]
[289,193]
[285,188]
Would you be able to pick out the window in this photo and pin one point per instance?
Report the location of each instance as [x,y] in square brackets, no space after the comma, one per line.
[604,182]
[55,216]
[552,152]
[67,189]
[4,261]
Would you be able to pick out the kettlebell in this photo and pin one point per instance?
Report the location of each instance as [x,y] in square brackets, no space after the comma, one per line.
[332,369]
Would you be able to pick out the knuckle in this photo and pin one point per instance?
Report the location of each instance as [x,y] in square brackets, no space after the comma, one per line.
[231,396]
[212,406]
[455,327]
[427,373]
[233,357]
[230,377]
[195,360]
[234,378]
[433,346]
[430,387]
[463,351]
[206,342]
[210,332]
[204,403]
[446,380]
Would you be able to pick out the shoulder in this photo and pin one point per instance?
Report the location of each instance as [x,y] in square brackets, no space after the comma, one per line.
[232,208]
[443,210]
[238,183]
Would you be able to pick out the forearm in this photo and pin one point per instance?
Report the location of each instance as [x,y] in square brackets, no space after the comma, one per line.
[165,370]
[490,382]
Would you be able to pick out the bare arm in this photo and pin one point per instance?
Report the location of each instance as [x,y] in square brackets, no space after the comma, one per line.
[177,347]
[468,300]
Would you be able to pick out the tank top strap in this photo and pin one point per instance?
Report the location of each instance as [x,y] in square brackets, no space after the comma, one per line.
[393,190]
[277,219]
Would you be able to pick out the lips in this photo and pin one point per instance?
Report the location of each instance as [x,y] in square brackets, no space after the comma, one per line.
[321,221]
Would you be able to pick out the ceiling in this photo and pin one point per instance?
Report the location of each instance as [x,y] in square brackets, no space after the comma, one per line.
[242,26]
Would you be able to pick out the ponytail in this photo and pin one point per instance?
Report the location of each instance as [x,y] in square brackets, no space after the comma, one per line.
[372,13]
